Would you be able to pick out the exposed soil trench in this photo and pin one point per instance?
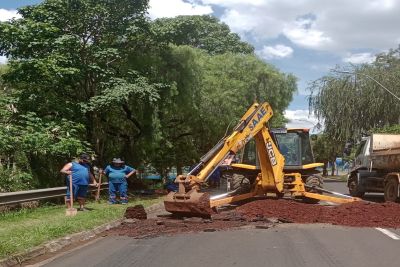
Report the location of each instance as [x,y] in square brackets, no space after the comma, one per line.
[264,213]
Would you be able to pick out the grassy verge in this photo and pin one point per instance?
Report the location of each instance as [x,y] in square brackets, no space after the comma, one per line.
[342,178]
[26,228]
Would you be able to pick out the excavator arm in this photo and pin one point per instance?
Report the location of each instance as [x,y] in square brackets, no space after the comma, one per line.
[252,124]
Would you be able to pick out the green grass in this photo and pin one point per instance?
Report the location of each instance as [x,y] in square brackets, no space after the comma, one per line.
[27,228]
[342,178]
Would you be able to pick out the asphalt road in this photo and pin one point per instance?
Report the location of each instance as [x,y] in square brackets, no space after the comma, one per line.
[284,245]
[342,188]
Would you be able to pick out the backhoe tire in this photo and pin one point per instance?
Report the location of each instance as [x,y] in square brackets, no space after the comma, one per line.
[354,189]
[241,183]
[391,190]
[315,181]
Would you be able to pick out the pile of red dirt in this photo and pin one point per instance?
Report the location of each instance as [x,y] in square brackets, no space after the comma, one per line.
[264,213]
[136,212]
[170,225]
[360,214]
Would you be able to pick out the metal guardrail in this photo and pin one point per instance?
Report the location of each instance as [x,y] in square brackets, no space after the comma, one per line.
[38,194]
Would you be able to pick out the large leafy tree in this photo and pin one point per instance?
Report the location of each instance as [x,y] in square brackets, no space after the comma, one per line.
[70,60]
[25,138]
[351,105]
[98,72]
[233,82]
[68,68]
[212,93]
[204,32]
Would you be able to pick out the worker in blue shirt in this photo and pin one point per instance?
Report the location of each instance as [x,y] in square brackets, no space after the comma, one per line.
[117,174]
[81,173]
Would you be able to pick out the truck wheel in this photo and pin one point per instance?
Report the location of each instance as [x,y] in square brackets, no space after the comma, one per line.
[240,182]
[353,187]
[315,181]
[391,191]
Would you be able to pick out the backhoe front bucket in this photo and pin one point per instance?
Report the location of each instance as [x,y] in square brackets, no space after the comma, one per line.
[190,204]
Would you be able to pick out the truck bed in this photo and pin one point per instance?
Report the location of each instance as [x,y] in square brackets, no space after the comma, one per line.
[385,151]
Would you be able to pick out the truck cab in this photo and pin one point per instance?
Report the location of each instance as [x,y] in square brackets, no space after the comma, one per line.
[362,152]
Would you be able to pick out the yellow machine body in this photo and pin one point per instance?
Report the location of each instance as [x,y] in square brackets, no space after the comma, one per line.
[271,179]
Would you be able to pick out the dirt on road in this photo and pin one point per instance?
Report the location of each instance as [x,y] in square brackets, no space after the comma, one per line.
[266,213]
[136,212]
[263,213]
[169,226]
[358,214]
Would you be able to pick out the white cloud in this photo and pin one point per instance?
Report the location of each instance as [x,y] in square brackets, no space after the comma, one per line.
[301,118]
[239,22]
[381,4]
[3,60]
[277,51]
[172,8]
[233,2]
[303,32]
[6,14]
[359,58]
[336,26]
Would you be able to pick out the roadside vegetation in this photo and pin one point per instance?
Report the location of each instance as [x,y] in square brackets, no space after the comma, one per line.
[27,228]
[351,102]
[101,77]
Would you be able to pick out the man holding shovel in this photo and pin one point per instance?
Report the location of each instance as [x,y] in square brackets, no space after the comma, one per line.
[80,172]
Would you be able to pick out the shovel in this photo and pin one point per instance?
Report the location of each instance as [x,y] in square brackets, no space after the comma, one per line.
[71,211]
[98,188]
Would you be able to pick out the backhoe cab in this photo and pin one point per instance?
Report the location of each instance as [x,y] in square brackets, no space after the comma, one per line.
[294,144]
[269,174]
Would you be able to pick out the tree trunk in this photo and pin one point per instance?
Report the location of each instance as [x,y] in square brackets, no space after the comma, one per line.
[333,168]
[325,169]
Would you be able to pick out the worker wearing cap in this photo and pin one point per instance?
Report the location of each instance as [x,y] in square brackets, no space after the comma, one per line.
[117,174]
[80,171]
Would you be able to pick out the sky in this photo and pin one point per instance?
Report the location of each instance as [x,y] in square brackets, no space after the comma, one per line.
[304,37]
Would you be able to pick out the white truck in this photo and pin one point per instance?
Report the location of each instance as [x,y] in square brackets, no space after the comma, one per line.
[377,167]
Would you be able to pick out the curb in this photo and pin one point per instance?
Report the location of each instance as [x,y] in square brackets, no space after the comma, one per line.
[60,243]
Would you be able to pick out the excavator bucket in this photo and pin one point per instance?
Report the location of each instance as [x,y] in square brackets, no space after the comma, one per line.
[190,204]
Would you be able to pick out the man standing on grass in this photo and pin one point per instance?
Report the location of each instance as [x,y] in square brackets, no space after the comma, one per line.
[117,174]
[81,175]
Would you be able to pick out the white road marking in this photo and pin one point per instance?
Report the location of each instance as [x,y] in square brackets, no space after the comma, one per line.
[388,233]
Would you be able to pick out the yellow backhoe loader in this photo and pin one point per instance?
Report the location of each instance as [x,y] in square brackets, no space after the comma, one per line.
[273,177]
[294,144]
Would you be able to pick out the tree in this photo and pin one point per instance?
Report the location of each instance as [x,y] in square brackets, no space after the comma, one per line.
[232,83]
[325,151]
[204,32]
[69,60]
[103,74]
[215,91]
[25,138]
[353,105]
